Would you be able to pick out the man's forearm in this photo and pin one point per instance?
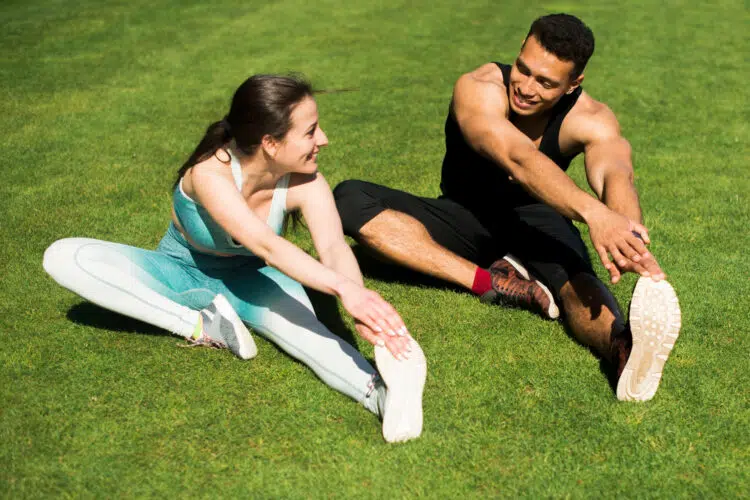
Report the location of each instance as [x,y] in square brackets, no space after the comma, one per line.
[620,195]
[545,181]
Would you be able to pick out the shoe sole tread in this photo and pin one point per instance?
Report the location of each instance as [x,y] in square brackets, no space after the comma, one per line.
[655,321]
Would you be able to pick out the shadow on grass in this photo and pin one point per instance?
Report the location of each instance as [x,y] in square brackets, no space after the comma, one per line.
[606,368]
[326,306]
[327,310]
[88,314]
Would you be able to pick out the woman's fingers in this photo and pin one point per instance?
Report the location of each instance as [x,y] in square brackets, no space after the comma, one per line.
[370,336]
[377,315]
[387,317]
[399,347]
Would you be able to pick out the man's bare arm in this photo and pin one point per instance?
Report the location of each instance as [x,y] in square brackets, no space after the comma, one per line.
[609,170]
[480,106]
[609,166]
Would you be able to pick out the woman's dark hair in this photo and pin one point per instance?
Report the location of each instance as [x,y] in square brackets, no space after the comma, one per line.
[262,105]
[565,36]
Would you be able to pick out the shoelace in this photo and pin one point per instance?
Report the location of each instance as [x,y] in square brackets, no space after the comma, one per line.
[204,341]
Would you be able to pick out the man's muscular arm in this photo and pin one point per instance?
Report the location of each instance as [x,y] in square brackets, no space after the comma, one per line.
[480,106]
[609,170]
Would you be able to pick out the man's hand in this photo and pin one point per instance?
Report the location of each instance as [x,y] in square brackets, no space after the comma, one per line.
[615,235]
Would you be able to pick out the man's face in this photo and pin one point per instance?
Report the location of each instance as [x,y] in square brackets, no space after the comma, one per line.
[538,79]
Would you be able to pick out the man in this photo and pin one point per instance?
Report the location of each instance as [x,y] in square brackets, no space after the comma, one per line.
[511,133]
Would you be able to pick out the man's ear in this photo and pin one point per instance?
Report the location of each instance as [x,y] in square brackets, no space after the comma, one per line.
[575,84]
[270,145]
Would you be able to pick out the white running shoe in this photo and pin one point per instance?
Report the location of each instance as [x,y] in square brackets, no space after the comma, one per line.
[655,321]
[223,329]
[404,381]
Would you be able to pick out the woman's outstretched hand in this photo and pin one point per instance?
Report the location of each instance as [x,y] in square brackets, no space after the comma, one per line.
[377,320]
[399,346]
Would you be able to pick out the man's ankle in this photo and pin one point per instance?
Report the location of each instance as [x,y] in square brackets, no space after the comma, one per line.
[621,344]
[482,281]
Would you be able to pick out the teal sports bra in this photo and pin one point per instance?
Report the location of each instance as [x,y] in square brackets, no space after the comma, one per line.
[203,230]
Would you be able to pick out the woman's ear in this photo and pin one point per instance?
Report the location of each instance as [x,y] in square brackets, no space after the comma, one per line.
[270,146]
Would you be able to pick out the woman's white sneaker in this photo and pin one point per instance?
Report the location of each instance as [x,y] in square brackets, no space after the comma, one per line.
[404,381]
[223,329]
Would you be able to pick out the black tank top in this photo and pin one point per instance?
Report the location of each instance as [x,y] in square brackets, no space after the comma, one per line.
[478,183]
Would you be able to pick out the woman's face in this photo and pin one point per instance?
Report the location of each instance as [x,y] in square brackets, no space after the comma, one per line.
[298,151]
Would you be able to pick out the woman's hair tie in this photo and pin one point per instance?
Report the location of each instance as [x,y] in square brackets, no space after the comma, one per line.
[226,126]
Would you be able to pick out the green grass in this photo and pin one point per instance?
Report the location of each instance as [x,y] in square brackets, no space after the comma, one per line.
[101,101]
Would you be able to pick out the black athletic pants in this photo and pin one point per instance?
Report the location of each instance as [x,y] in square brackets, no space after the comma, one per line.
[546,242]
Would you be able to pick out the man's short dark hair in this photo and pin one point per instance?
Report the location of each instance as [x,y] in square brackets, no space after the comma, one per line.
[565,36]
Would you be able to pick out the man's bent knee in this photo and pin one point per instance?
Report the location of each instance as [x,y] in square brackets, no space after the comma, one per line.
[356,205]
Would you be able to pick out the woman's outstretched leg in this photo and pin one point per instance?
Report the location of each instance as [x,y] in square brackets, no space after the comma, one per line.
[149,286]
[278,308]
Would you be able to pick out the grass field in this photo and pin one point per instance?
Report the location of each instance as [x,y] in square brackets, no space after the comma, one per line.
[103,100]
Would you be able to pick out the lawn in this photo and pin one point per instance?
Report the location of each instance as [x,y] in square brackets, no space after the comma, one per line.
[103,100]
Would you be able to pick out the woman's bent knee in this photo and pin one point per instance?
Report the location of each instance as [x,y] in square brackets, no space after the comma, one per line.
[60,255]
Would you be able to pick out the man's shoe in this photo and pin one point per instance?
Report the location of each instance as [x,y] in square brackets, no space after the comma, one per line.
[513,285]
[655,321]
[223,329]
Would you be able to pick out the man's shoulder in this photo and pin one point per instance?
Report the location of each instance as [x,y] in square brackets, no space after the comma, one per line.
[480,90]
[488,73]
[590,119]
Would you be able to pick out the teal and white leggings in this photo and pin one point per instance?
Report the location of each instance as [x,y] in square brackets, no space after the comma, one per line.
[167,287]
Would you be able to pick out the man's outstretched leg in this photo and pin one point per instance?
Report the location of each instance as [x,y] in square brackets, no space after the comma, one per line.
[436,237]
[637,349]
[553,249]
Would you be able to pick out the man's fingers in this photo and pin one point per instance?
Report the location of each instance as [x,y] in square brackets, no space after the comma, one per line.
[619,259]
[653,268]
[633,241]
[642,232]
[614,273]
[635,268]
[603,255]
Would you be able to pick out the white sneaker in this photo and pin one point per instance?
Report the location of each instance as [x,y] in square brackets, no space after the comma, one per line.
[223,328]
[404,381]
[655,321]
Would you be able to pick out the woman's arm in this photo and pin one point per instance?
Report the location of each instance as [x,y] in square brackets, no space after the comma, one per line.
[214,189]
[312,196]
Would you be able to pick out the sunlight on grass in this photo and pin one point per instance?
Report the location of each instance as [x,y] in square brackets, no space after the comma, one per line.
[103,101]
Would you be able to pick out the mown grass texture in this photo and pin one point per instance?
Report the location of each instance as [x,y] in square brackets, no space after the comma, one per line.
[101,103]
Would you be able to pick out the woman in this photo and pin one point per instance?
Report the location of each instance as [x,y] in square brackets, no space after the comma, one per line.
[223,260]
